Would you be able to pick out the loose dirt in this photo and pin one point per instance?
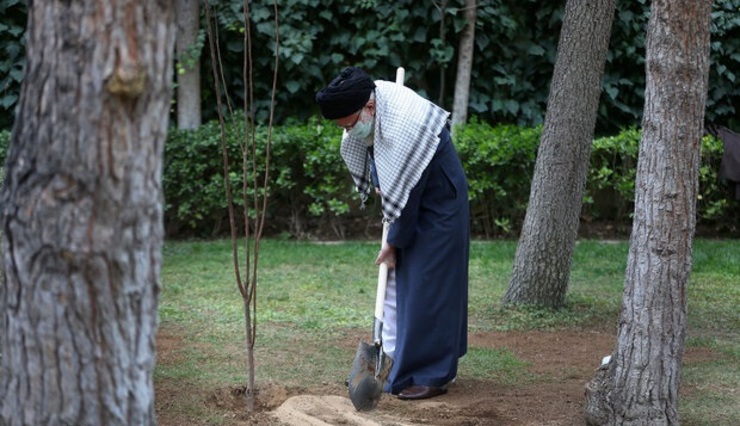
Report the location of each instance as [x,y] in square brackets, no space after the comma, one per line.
[563,362]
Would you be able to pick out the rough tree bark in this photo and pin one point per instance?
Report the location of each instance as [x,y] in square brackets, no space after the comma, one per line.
[82,215]
[188,80]
[464,66]
[640,384]
[544,254]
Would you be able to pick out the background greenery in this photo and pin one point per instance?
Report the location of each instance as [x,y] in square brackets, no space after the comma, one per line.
[314,299]
[516,44]
[312,196]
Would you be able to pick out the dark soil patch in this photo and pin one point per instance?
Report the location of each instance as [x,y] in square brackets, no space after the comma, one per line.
[562,362]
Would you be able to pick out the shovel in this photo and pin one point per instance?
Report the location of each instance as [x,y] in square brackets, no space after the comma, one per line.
[371,365]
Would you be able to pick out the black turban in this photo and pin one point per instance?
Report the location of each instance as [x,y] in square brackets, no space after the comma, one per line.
[346,94]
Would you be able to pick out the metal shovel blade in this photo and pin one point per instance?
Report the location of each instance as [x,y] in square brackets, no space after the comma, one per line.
[371,366]
[370,370]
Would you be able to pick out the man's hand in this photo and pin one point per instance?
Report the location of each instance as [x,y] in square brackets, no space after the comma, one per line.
[387,255]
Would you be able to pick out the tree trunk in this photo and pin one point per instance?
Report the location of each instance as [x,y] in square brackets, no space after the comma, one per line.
[640,385]
[464,66]
[188,56]
[543,258]
[82,215]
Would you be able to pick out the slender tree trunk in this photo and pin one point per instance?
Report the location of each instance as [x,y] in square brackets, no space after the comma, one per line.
[82,215]
[188,77]
[442,7]
[464,66]
[543,258]
[640,384]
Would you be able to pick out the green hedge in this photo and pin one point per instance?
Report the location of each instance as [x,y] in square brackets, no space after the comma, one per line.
[312,195]
[309,187]
[311,192]
[610,188]
[499,163]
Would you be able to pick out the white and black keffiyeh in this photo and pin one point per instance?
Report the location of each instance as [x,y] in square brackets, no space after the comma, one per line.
[407,129]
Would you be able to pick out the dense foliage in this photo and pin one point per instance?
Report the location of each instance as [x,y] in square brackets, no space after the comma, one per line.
[516,44]
[515,49]
[311,194]
[12,58]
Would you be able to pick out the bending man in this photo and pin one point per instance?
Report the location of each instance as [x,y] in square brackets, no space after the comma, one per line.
[401,139]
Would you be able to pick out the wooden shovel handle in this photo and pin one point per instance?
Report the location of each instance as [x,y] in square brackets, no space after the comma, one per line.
[382,279]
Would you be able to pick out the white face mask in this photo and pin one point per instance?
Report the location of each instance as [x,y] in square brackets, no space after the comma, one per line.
[364,126]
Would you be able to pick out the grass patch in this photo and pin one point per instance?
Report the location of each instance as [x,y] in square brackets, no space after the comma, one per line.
[579,311]
[712,393]
[498,364]
[316,300]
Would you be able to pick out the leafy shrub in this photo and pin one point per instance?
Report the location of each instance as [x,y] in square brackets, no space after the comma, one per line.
[610,185]
[4,143]
[499,163]
[610,188]
[312,186]
[308,184]
[714,203]
[193,177]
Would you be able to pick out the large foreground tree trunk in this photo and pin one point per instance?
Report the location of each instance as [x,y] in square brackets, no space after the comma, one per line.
[640,384]
[544,254]
[82,215]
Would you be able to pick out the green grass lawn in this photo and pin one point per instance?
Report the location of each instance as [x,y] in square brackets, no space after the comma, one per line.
[310,293]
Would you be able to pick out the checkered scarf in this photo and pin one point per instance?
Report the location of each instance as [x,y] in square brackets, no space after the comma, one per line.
[407,129]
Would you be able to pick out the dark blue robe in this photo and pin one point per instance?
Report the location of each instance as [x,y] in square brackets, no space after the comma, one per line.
[432,240]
